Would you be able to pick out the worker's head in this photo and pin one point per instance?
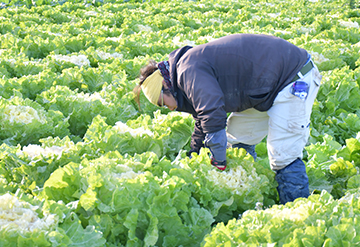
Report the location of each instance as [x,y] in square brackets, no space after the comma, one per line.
[155,84]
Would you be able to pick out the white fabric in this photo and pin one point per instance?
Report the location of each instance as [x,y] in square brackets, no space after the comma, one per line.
[286,124]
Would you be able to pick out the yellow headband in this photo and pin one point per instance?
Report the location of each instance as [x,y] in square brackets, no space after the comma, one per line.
[152,87]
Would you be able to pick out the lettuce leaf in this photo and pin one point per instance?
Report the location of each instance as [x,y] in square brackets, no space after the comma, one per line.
[144,209]
[24,121]
[316,221]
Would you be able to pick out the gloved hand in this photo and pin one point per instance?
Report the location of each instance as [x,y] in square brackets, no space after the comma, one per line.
[217,143]
[221,165]
[190,152]
[197,138]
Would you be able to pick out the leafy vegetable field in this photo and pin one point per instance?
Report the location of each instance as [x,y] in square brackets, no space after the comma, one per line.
[82,165]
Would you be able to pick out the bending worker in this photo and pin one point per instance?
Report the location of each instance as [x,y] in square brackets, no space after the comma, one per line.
[267,84]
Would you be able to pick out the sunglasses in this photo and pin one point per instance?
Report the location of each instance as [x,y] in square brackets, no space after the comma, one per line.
[162,96]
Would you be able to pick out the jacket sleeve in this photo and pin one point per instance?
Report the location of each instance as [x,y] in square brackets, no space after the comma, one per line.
[197,138]
[205,95]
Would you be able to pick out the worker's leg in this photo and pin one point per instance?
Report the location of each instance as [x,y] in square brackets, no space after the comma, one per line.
[247,128]
[288,134]
[293,181]
[250,149]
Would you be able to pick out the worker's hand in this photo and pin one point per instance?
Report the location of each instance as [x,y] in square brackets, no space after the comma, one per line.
[217,143]
[192,151]
[221,165]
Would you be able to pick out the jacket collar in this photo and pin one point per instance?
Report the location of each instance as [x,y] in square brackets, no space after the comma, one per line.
[174,57]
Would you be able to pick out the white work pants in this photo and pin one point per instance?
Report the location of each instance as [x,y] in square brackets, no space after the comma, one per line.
[286,124]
